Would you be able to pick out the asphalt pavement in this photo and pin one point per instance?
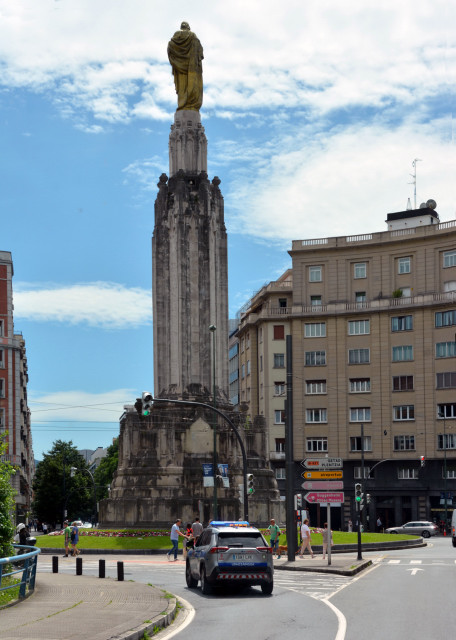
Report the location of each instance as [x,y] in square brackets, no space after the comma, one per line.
[72,607]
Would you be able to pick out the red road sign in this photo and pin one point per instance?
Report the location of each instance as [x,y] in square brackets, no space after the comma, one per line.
[328,497]
[323,485]
[322,463]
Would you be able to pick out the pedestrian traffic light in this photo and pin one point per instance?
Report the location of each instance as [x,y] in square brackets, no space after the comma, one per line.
[423,461]
[298,501]
[250,487]
[147,403]
[368,498]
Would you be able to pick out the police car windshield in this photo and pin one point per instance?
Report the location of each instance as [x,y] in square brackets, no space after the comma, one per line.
[241,539]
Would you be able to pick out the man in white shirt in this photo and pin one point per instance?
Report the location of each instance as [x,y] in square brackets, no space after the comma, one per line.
[305,535]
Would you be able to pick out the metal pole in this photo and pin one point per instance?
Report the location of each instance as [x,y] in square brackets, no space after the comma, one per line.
[213,329]
[329,534]
[445,471]
[239,439]
[289,464]
[358,506]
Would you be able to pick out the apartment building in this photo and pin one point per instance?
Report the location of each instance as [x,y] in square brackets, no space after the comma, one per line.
[372,320]
[14,412]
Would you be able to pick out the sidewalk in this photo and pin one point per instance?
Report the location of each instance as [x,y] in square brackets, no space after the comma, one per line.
[66,607]
[343,564]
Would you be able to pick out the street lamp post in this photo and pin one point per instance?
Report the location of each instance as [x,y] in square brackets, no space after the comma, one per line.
[213,329]
[442,415]
[238,436]
[73,471]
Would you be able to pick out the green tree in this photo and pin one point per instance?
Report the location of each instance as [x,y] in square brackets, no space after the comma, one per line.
[6,503]
[104,473]
[57,490]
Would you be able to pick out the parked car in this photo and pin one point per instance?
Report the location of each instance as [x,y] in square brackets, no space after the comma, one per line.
[230,553]
[421,528]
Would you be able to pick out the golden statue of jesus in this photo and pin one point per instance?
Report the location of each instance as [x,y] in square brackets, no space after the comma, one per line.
[185,54]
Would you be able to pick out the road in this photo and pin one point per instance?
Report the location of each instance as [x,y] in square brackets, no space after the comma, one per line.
[405,594]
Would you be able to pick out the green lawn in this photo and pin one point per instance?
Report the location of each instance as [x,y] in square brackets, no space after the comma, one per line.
[10,594]
[160,539]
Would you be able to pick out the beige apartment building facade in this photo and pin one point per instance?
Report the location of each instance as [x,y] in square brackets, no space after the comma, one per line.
[373,325]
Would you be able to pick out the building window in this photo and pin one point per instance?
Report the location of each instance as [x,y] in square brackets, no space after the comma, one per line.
[261,363]
[315,330]
[360,414]
[358,473]
[279,416]
[358,356]
[315,274]
[280,473]
[447,442]
[242,345]
[279,360]
[406,292]
[451,474]
[407,473]
[445,318]
[2,418]
[316,415]
[315,301]
[315,358]
[360,296]
[359,385]
[316,444]
[402,383]
[283,303]
[315,387]
[260,334]
[404,412]
[450,285]
[404,264]
[355,443]
[279,332]
[401,323]
[247,341]
[243,371]
[359,270]
[449,259]
[403,353]
[2,388]
[1,328]
[446,380]
[2,362]
[280,445]
[358,327]
[279,388]
[445,349]
[404,443]
[446,410]
[248,367]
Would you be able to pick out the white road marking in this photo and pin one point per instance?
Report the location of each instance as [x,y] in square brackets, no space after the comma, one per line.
[413,572]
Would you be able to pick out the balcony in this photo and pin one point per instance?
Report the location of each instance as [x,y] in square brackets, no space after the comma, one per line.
[277,455]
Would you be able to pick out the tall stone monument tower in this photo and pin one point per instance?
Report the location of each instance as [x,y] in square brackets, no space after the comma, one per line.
[161,456]
[189,248]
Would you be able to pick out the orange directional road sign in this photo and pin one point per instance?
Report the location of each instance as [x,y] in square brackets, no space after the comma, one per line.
[322,475]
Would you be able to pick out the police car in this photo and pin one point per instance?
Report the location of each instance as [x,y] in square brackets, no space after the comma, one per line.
[230,553]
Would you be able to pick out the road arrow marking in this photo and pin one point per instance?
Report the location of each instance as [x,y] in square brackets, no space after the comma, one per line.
[414,571]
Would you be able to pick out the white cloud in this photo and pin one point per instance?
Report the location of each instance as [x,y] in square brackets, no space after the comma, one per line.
[98,304]
[341,181]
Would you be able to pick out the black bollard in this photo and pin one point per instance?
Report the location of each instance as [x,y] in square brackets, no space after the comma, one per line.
[55,564]
[101,569]
[120,571]
[79,566]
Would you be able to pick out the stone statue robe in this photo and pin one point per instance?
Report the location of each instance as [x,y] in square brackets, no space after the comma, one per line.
[185,54]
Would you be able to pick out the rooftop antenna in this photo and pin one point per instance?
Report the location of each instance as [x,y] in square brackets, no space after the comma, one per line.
[414,177]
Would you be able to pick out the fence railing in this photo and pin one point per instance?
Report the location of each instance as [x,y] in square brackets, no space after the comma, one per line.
[24,564]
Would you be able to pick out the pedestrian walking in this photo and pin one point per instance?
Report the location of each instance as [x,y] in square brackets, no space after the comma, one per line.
[327,538]
[379,524]
[274,532]
[74,539]
[197,528]
[350,526]
[67,534]
[306,539]
[174,537]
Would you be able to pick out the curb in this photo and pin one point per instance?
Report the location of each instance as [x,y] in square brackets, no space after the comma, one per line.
[313,569]
[159,622]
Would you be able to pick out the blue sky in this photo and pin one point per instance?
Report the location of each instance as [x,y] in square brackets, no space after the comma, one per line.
[314,112]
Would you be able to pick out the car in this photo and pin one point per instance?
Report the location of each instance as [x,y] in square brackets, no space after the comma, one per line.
[422,528]
[230,553]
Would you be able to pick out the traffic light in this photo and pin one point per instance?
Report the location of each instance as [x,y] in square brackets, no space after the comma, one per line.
[299,501]
[358,495]
[423,461]
[147,403]
[250,487]
[138,406]
[368,498]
